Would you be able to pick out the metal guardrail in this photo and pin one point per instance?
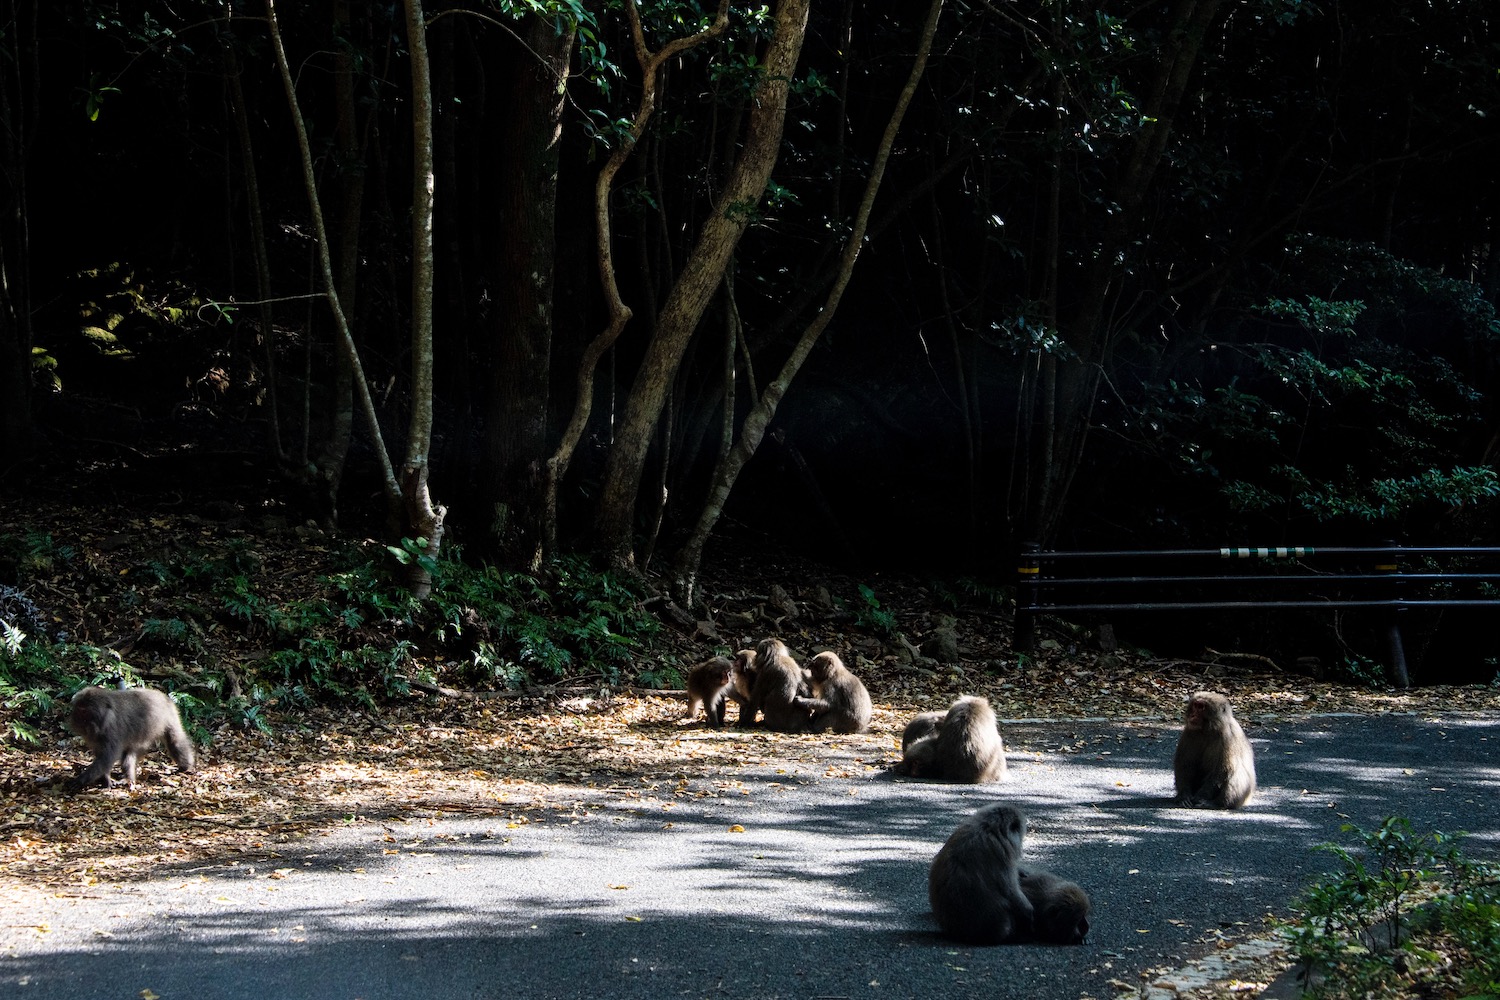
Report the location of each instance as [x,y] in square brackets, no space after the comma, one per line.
[1260,578]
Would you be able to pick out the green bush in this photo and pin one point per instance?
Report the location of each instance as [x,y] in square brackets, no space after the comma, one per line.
[1408,915]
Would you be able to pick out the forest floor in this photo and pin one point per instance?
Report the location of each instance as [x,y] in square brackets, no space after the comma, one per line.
[543,754]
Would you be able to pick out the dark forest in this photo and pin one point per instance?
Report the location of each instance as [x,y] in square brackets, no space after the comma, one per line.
[890,287]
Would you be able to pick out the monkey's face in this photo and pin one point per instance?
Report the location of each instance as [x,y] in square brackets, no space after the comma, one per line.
[719,675]
[1204,707]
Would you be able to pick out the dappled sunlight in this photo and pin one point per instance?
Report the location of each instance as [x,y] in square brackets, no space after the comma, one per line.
[752,866]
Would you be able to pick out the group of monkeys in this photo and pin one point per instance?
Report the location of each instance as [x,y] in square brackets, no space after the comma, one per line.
[980,889]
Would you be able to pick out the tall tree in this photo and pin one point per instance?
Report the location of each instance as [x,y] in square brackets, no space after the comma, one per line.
[525,121]
[700,276]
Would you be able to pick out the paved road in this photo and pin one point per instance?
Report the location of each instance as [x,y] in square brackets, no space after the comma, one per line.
[822,896]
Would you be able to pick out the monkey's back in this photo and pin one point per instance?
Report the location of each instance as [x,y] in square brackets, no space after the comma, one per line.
[970,743]
[972,884]
[775,693]
[849,703]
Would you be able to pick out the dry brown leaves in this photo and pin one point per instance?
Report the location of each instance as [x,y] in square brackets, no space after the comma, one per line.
[518,762]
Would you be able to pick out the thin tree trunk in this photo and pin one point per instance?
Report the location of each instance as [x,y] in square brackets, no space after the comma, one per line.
[18,104]
[619,312]
[690,556]
[527,128]
[334,449]
[423,516]
[390,487]
[701,274]
[257,240]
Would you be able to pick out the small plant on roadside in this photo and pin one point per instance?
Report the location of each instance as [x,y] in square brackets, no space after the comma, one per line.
[1363,671]
[1407,915]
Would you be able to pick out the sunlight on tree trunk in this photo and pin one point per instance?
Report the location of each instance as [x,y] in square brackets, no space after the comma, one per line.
[690,556]
[700,277]
[619,312]
[424,518]
[409,501]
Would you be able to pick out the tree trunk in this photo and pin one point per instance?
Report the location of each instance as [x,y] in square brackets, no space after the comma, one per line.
[691,555]
[701,274]
[241,114]
[423,517]
[390,488]
[334,450]
[527,125]
[619,313]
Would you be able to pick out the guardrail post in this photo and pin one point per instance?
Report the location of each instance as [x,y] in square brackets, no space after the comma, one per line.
[1028,596]
[1390,563]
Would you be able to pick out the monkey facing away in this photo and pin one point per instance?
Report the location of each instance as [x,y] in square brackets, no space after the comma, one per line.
[963,746]
[709,684]
[1214,765]
[974,884]
[119,726]
[921,726]
[778,682]
[1060,909]
[839,700]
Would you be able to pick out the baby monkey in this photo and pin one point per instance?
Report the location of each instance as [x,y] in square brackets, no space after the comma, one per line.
[1060,909]
[119,726]
[710,684]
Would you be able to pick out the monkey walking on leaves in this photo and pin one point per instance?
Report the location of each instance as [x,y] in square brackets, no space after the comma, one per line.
[119,726]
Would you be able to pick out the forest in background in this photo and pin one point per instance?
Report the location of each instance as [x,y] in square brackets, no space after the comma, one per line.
[896,287]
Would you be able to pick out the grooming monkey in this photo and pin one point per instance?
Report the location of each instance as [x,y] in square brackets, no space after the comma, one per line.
[839,700]
[777,684]
[963,746]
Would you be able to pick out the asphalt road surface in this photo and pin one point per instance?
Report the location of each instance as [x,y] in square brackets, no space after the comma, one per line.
[823,894]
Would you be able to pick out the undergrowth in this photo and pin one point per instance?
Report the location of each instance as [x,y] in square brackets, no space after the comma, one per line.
[1408,915]
[232,639]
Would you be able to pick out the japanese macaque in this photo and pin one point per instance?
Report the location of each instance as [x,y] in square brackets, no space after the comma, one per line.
[839,700]
[963,746]
[1214,765]
[919,727]
[974,885]
[1060,909]
[119,726]
[778,679]
[743,678]
[709,684]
